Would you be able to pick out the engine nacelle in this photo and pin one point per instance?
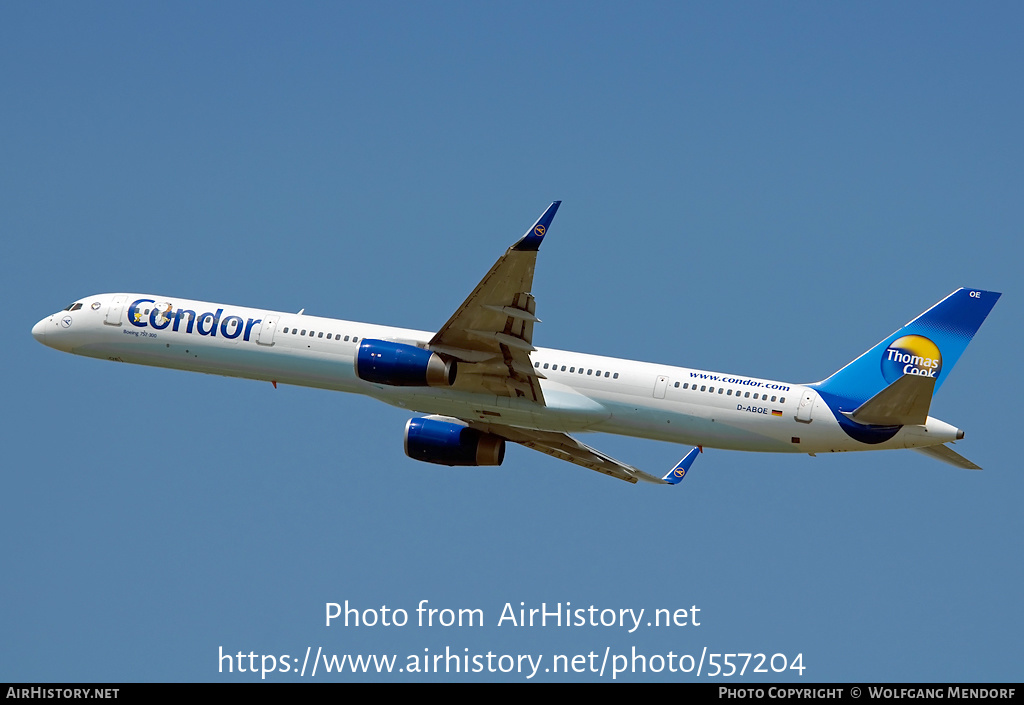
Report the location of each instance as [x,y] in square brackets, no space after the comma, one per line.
[448,443]
[400,365]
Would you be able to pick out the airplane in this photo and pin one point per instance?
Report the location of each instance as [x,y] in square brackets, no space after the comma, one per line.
[482,383]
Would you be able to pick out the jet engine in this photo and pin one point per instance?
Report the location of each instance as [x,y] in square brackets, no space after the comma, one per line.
[401,365]
[443,442]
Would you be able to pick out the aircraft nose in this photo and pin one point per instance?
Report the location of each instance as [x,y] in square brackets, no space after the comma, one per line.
[39,330]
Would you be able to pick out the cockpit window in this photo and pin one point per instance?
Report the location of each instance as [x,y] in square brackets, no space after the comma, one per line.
[73,307]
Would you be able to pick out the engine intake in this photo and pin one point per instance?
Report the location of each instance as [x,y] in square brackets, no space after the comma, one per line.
[448,443]
[401,365]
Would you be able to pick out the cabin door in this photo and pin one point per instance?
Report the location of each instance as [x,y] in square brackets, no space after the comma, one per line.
[660,385]
[803,412]
[267,330]
[114,310]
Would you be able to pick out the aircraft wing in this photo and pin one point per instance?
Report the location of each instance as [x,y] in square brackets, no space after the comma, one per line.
[491,333]
[565,447]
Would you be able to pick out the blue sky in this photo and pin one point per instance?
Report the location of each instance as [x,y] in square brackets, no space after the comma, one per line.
[759,189]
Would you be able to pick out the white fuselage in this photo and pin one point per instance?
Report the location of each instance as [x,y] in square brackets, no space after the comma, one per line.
[581,392]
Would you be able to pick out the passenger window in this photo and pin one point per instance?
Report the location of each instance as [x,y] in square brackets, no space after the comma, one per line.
[321,335]
[615,376]
[590,371]
[545,365]
[286,329]
[572,369]
[677,385]
[773,398]
[563,368]
[702,387]
[782,400]
[355,338]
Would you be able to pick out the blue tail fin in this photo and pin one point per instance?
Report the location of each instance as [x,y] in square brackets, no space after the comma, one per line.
[929,346]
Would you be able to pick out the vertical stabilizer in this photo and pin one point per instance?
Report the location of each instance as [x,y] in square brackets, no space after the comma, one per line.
[928,346]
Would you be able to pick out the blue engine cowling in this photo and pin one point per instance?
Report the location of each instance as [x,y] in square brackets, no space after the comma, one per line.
[448,443]
[400,365]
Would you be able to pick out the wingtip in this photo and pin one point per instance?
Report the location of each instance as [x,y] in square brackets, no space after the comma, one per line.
[530,242]
[676,474]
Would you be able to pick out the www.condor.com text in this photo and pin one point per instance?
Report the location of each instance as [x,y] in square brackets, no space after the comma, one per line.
[603,663]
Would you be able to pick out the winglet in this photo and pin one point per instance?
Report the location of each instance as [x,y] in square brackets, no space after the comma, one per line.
[530,242]
[679,471]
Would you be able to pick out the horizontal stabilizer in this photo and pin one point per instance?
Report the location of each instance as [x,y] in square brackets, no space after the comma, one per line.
[948,455]
[905,402]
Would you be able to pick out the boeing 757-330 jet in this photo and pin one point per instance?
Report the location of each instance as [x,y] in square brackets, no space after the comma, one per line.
[482,382]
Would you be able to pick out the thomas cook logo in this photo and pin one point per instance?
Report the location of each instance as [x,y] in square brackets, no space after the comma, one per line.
[911,355]
[539,231]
